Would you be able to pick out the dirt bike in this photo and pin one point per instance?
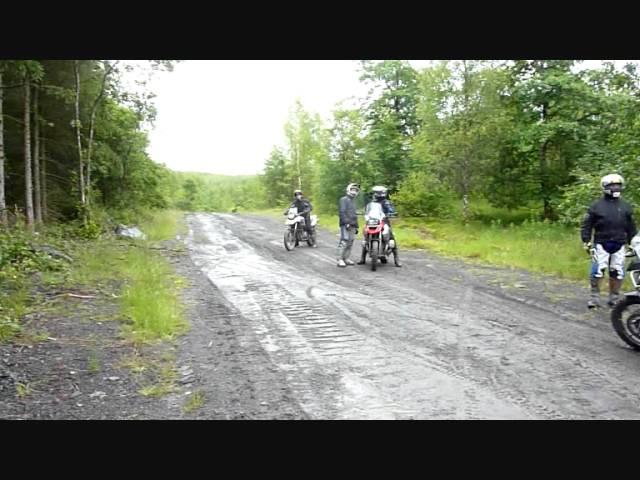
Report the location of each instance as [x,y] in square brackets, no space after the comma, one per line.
[376,233]
[295,232]
[625,316]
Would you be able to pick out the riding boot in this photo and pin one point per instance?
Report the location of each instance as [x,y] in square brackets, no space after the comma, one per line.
[396,259]
[363,256]
[594,299]
[614,290]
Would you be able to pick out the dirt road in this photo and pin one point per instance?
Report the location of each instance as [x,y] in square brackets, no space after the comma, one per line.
[436,339]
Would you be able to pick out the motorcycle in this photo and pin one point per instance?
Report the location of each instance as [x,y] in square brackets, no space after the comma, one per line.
[376,236]
[295,232]
[625,315]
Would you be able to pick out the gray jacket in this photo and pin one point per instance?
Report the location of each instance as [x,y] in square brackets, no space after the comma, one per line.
[347,211]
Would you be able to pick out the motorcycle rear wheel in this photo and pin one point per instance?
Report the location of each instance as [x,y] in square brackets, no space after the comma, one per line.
[311,238]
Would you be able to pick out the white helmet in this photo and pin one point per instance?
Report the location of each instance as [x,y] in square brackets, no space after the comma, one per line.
[609,182]
[353,189]
[379,192]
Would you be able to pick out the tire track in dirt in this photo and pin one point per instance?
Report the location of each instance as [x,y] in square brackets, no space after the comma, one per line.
[409,343]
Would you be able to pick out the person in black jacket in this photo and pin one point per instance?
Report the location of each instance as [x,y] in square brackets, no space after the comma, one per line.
[611,218]
[304,209]
[348,223]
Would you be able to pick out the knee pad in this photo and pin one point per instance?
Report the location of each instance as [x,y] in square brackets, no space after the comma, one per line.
[613,273]
[597,273]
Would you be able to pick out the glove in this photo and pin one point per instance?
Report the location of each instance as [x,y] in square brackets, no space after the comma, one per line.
[587,247]
[356,231]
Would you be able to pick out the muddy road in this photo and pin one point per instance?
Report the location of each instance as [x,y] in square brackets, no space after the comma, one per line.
[435,339]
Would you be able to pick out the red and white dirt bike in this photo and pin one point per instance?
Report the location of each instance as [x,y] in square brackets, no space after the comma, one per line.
[295,232]
[377,242]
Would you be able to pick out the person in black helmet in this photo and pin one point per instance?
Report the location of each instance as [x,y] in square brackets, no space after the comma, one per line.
[304,209]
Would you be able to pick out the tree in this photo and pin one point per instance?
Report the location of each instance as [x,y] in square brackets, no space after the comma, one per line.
[306,142]
[390,112]
[276,176]
[106,134]
[28,191]
[107,68]
[3,204]
[463,123]
[551,103]
[345,162]
[77,125]
[36,156]
[43,180]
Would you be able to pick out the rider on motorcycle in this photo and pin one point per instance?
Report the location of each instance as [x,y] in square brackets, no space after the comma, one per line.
[304,209]
[380,195]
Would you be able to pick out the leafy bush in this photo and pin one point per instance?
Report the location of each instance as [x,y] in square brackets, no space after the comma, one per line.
[421,194]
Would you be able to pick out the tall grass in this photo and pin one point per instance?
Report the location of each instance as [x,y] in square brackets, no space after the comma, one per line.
[163,225]
[12,307]
[149,295]
[536,246]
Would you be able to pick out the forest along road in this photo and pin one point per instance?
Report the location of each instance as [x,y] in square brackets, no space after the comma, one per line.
[435,339]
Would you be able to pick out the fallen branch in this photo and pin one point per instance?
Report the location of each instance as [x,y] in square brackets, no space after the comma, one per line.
[66,294]
[146,247]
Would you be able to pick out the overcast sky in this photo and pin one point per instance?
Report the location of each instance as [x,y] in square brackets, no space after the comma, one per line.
[225,116]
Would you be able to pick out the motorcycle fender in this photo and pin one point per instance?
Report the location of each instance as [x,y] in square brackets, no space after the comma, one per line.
[633,293]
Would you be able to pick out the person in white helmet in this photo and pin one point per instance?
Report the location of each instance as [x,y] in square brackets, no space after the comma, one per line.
[348,223]
[380,194]
[610,220]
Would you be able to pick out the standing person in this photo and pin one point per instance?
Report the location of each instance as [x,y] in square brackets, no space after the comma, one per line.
[610,219]
[348,224]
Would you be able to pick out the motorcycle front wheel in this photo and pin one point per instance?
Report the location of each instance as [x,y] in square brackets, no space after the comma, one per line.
[374,255]
[625,319]
[289,239]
